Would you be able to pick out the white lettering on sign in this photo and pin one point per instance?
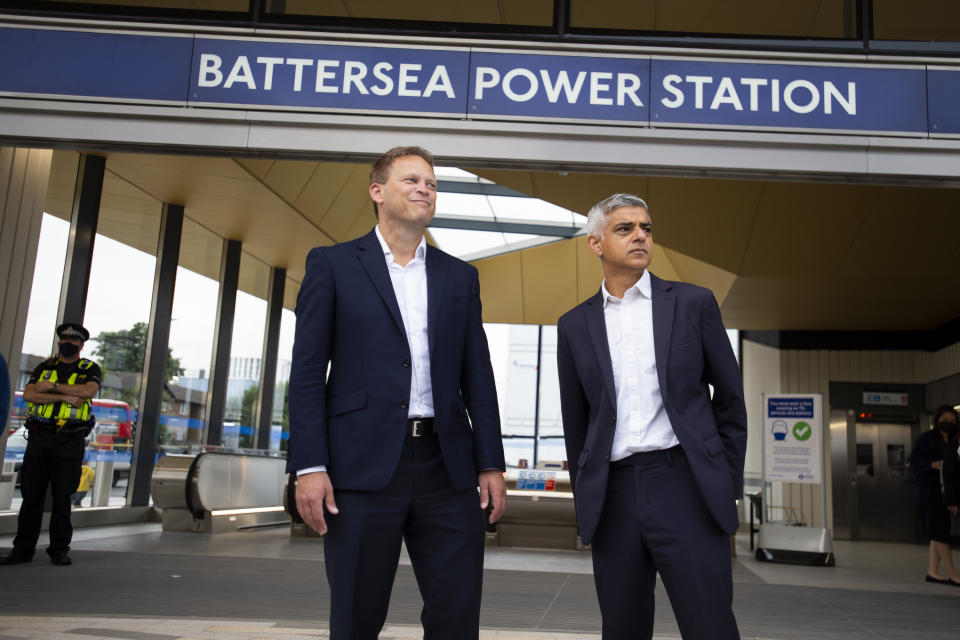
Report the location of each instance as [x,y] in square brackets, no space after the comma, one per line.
[210,74]
[799,96]
[268,73]
[519,84]
[329,76]
[241,72]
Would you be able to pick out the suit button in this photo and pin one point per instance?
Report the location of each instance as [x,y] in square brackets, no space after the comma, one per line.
[613,419]
[404,404]
[406,362]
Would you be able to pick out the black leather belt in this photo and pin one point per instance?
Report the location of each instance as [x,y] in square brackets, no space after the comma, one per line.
[653,458]
[419,427]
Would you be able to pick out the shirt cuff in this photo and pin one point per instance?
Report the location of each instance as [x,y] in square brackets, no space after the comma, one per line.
[301,472]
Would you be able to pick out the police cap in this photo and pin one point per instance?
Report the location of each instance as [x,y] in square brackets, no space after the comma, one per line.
[73,330]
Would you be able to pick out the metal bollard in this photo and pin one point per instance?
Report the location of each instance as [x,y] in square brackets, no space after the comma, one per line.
[102,484]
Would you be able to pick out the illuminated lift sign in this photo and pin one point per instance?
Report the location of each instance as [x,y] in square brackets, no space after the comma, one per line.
[462,83]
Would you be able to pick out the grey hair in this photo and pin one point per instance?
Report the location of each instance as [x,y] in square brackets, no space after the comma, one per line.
[598,212]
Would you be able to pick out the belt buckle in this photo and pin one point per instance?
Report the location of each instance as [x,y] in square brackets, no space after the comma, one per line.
[415,425]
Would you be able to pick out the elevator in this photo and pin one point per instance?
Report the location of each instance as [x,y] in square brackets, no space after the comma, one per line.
[872,429]
[885,500]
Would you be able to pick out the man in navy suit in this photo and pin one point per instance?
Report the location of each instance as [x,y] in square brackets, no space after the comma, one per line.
[404,425]
[656,461]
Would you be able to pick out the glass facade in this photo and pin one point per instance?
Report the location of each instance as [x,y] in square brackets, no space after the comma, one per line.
[505,12]
[923,20]
[246,351]
[799,19]
[280,423]
[118,315]
[191,339]
[154,5]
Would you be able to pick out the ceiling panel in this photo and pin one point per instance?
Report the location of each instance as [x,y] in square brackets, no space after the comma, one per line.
[806,229]
[778,255]
[909,232]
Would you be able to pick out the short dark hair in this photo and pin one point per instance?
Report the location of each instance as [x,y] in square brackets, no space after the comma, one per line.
[381,167]
[380,170]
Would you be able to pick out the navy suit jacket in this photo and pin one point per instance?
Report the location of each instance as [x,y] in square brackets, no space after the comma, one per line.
[692,351]
[353,421]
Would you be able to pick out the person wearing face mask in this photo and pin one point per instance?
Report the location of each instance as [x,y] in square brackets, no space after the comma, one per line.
[927,461]
[58,421]
[951,477]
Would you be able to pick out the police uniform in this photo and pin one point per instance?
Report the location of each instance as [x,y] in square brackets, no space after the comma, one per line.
[56,433]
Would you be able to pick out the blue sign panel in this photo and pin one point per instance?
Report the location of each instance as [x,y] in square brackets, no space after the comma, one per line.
[552,86]
[303,76]
[319,76]
[101,65]
[944,96]
[790,407]
[722,94]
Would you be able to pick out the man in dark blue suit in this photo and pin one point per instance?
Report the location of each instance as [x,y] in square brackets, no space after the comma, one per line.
[404,424]
[656,461]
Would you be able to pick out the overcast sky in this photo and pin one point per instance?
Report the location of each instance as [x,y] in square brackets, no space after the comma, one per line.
[121,283]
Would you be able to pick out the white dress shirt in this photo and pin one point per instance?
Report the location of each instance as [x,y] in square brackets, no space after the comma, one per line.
[642,422]
[410,288]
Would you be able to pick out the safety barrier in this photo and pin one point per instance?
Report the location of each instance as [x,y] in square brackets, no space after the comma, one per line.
[539,514]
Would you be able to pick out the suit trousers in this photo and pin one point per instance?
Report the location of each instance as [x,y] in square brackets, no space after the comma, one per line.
[47,462]
[444,533]
[654,521]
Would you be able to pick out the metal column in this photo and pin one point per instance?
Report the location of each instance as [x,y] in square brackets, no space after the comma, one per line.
[536,401]
[220,367]
[83,231]
[268,368]
[155,359]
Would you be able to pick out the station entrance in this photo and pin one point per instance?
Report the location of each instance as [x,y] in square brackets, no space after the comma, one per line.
[826,236]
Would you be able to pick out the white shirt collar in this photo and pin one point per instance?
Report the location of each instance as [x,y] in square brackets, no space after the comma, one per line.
[642,287]
[421,248]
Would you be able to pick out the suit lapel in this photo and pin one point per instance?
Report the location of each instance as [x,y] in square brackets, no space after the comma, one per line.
[436,277]
[597,329]
[664,302]
[370,254]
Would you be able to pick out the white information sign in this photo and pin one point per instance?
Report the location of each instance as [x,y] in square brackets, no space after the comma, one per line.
[793,437]
[895,398]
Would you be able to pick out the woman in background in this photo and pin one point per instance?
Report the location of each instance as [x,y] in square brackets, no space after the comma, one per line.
[951,481]
[927,460]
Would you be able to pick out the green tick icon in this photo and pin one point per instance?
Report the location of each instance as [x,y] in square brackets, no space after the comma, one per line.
[802,431]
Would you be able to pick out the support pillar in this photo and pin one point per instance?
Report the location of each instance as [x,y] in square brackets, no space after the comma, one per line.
[83,231]
[268,362]
[155,359]
[220,367]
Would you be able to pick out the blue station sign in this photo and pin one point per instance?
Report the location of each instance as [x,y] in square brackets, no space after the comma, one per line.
[464,83]
[329,77]
[794,96]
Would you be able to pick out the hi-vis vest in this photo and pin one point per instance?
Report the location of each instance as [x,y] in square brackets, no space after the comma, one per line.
[60,413]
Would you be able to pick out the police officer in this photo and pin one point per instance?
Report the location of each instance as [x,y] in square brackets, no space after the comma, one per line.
[58,420]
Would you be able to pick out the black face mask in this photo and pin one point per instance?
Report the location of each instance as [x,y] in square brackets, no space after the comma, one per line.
[949,428]
[68,349]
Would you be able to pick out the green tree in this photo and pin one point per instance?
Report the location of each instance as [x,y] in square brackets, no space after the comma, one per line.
[247,415]
[126,349]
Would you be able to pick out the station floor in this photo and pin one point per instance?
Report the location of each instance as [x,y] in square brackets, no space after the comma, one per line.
[137,582]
